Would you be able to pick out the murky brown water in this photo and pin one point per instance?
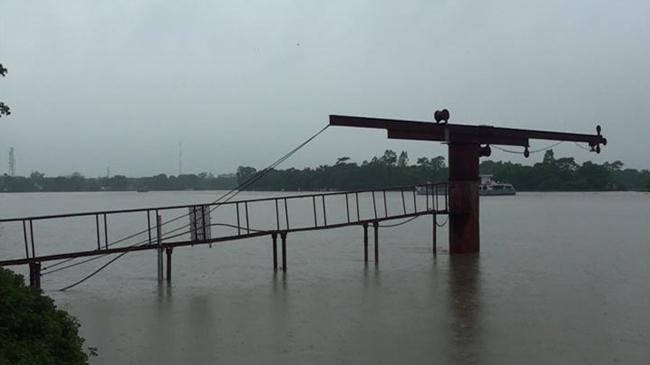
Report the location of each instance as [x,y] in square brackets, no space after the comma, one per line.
[562,278]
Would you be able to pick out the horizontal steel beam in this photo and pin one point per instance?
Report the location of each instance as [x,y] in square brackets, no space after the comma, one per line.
[512,141]
[461,133]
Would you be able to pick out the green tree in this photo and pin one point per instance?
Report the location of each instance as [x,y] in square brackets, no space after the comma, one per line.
[549,157]
[613,166]
[389,158]
[32,329]
[4,109]
[118,183]
[422,162]
[437,163]
[36,176]
[403,159]
[244,173]
[342,160]
[591,176]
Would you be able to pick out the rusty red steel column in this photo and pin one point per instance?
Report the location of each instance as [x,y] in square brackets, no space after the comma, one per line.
[35,274]
[463,197]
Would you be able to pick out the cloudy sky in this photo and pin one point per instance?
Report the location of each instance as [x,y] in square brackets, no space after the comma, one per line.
[97,84]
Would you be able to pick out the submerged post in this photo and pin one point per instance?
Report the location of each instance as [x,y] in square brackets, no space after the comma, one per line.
[375,225]
[274,237]
[168,252]
[463,198]
[435,234]
[365,242]
[283,236]
[160,250]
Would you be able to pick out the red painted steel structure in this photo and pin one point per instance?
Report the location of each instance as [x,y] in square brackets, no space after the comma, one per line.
[465,147]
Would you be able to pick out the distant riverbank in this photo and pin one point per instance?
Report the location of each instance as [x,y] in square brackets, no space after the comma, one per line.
[391,169]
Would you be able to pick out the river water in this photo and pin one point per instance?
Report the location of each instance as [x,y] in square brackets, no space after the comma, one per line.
[562,278]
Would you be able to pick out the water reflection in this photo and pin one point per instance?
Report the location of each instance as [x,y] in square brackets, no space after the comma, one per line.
[514,304]
[367,279]
[465,307]
[164,292]
[279,282]
[277,323]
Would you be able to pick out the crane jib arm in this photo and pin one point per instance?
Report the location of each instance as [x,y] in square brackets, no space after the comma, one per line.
[462,133]
[467,143]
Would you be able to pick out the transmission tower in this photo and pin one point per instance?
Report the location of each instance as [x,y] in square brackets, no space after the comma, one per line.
[180,158]
[12,162]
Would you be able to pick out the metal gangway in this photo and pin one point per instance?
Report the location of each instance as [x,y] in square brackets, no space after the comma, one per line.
[167,227]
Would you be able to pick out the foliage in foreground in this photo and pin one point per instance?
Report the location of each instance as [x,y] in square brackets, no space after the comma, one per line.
[32,330]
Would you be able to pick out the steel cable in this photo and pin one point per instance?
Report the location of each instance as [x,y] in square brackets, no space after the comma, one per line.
[582,147]
[233,192]
[533,151]
[398,224]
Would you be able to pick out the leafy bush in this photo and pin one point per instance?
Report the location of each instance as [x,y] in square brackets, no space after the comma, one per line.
[32,329]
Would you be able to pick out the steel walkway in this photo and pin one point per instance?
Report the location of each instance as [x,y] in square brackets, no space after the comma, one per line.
[225,221]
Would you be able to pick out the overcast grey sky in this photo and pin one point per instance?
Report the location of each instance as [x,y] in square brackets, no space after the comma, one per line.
[94,84]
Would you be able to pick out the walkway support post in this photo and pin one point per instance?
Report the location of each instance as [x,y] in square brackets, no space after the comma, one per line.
[435,234]
[365,242]
[274,237]
[160,250]
[463,197]
[168,252]
[375,225]
[283,236]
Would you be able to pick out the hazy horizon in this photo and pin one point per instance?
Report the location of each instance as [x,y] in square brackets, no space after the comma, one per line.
[119,84]
[535,158]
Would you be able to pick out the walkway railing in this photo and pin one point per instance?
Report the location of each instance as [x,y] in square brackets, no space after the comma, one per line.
[183,225]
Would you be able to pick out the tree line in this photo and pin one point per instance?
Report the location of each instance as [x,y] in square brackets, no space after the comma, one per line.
[37,181]
[565,174]
[390,169]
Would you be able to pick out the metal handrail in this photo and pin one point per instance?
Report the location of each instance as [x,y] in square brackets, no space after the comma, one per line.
[171,207]
[243,226]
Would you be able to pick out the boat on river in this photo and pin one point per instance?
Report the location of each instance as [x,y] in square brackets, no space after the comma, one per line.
[489,187]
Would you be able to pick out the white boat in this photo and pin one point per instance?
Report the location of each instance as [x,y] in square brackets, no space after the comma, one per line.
[489,186]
